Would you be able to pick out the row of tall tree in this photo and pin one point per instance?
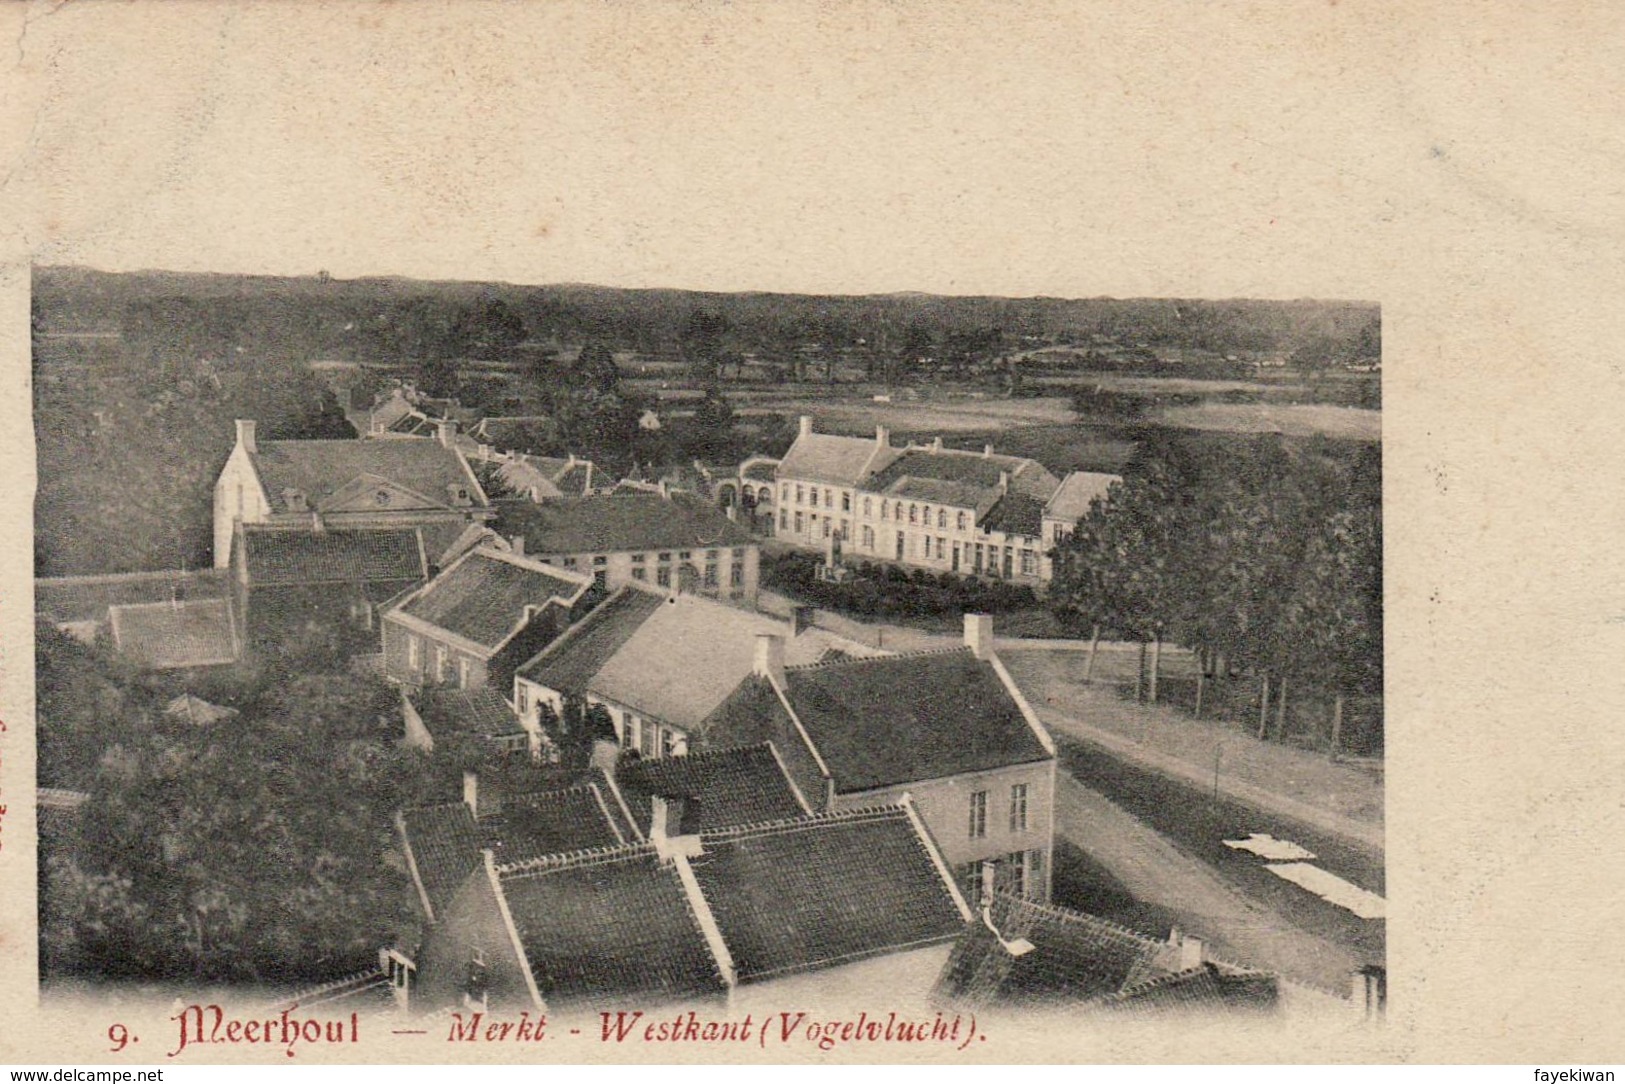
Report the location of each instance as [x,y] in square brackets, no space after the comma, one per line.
[1265,559]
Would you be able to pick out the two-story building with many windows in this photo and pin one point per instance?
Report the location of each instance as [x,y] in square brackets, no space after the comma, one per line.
[950,728]
[671,543]
[944,509]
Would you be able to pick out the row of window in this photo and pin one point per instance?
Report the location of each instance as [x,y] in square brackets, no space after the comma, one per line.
[982,557]
[917,513]
[1018,811]
[665,557]
[651,739]
[736,575]
[443,662]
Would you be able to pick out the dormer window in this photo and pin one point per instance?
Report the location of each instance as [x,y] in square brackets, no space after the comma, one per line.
[459,495]
[295,500]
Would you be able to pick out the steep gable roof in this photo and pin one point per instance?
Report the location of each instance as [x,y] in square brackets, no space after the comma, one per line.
[320,468]
[620,523]
[819,891]
[970,468]
[484,596]
[277,556]
[683,659]
[610,928]
[71,599]
[885,721]
[443,842]
[844,461]
[1204,988]
[571,661]
[718,789]
[1015,513]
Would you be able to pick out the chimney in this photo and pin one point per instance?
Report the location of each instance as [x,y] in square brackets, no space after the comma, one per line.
[446,428]
[990,877]
[1368,986]
[245,435]
[1004,479]
[317,524]
[606,755]
[987,451]
[882,436]
[517,545]
[471,792]
[801,619]
[662,488]
[806,426]
[1191,953]
[936,444]
[659,818]
[769,661]
[979,635]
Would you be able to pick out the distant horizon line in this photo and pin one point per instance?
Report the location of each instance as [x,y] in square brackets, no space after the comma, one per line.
[315,277]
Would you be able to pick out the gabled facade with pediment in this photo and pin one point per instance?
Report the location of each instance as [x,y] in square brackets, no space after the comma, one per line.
[416,482]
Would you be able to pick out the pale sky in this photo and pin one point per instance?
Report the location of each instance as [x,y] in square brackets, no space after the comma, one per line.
[1075,150]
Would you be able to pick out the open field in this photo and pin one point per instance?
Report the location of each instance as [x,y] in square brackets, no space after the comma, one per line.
[1290,419]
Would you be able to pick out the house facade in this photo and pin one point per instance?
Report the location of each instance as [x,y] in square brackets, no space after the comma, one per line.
[407,482]
[477,621]
[949,728]
[674,542]
[970,513]
[1070,503]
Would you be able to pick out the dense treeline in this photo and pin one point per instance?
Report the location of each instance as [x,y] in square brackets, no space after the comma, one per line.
[1266,561]
[369,319]
[257,848]
[890,591]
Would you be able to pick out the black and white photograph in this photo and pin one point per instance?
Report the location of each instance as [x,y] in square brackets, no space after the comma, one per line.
[948,535]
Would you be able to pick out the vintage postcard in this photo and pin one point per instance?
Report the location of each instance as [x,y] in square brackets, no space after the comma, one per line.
[728,533]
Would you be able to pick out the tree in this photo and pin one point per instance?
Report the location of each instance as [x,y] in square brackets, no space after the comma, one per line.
[594,369]
[712,432]
[701,342]
[437,376]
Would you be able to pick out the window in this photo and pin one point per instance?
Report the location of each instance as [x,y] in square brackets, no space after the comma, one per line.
[1056,532]
[942,519]
[569,562]
[462,673]
[736,576]
[600,578]
[867,506]
[600,560]
[640,574]
[784,492]
[798,495]
[684,555]
[926,519]
[664,558]
[868,538]
[1029,564]
[978,815]
[640,558]
[978,565]
[846,528]
[846,501]
[650,742]
[942,547]
[961,521]
[712,555]
[1018,807]
[883,510]
[829,498]
[413,660]
[1017,865]
[826,526]
[711,574]
[812,496]
[663,577]
[440,662]
[798,523]
[913,514]
[784,520]
[523,698]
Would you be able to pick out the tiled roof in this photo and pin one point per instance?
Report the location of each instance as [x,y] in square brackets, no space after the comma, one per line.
[719,789]
[575,479]
[819,891]
[1075,958]
[187,708]
[320,468]
[613,928]
[939,491]
[1071,501]
[621,523]
[445,841]
[1206,988]
[169,636]
[278,555]
[69,599]
[572,660]
[1015,513]
[821,457]
[760,471]
[880,722]
[483,596]
[479,711]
